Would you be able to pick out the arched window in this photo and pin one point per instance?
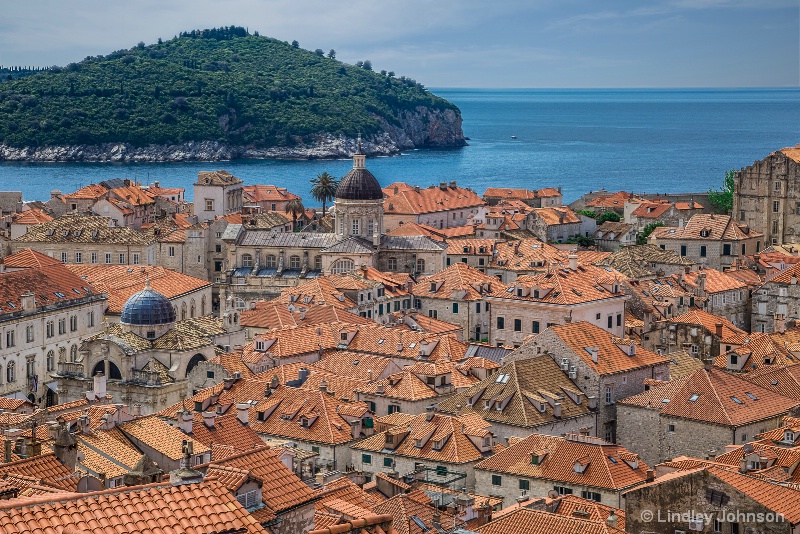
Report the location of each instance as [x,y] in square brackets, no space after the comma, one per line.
[420,265]
[392,264]
[317,263]
[191,309]
[183,311]
[239,304]
[270,262]
[203,306]
[342,266]
[62,354]
[51,360]
[247,260]
[11,372]
[73,353]
[294,262]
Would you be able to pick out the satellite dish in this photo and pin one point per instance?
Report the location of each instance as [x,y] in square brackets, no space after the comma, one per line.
[553,494]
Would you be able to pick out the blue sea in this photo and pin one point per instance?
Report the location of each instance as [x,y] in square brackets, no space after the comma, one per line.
[641,140]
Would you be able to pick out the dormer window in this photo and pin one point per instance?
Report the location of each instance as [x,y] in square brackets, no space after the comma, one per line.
[536,293]
[343,336]
[519,292]
[433,287]
[259,345]
[788,436]
[418,443]
[704,233]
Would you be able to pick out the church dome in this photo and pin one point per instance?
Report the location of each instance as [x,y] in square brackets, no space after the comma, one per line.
[147,307]
[359,183]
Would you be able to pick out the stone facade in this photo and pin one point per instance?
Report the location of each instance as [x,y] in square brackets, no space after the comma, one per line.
[776,302]
[767,196]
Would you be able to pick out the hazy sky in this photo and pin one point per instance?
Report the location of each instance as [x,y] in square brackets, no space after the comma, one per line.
[454,43]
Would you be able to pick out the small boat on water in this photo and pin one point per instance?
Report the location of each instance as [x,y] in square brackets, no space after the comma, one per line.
[513,137]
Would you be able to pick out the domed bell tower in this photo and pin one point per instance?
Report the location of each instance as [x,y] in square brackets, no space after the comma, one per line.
[358,205]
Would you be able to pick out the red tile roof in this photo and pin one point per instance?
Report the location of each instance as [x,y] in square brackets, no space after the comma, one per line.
[714,396]
[459,282]
[51,284]
[26,257]
[267,193]
[563,286]
[408,200]
[716,281]
[540,522]
[717,227]
[90,192]
[32,216]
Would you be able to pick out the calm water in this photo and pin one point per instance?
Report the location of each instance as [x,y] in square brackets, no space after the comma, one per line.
[640,140]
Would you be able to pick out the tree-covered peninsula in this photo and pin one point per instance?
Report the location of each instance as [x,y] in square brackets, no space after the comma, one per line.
[217,94]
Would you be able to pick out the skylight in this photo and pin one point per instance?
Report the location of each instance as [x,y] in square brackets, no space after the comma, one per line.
[694,397]
[612,459]
[751,395]
[502,378]
[665,401]
[737,401]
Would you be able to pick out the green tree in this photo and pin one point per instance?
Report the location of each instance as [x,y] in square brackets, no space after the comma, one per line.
[295,44]
[324,189]
[587,213]
[295,208]
[331,54]
[580,240]
[612,216]
[319,52]
[722,200]
[641,239]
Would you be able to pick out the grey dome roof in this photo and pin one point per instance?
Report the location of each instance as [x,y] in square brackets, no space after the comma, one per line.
[147,307]
[359,184]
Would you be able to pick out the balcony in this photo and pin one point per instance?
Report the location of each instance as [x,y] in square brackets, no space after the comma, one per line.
[70,369]
[145,378]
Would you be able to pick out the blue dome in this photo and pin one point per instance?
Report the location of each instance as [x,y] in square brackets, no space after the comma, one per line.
[147,307]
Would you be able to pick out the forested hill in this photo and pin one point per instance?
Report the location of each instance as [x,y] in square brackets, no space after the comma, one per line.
[238,91]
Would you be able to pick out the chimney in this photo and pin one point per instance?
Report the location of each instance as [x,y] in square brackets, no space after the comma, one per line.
[743,465]
[243,412]
[573,261]
[701,283]
[649,475]
[227,383]
[28,302]
[452,184]
[66,447]
[100,385]
[323,386]
[557,410]
[185,419]
[209,419]
[136,411]
[711,455]
[7,451]
[443,186]
[718,329]
[611,521]
[369,373]
[594,351]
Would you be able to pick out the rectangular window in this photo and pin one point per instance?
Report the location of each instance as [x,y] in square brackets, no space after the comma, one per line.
[78,257]
[62,326]
[94,257]
[393,408]
[535,327]
[108,258]
[501,323]
[73,323]
[380,309]
[90,319]
[683,250]
[455,307]
[726,249]
[366,459]
[702,251]
[136,258]
[497,480]
[387,462]
[10,338]
[777,186]
[171,252]
[776,206]
[477,307]
[517,325]
[355,227]
[64,258]
[433,314]
[209,204]
[525,485]
[315,449]
[50,329]
[619,319]
[671,428]
[590,495]
[609,395]
[610,321]
[562,490]
[122,259]
[29,333]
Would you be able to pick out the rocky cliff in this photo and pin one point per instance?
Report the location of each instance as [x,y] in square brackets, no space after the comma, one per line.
[419,129]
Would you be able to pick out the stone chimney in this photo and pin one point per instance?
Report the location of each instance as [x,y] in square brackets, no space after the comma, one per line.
[718,330]
[595,352]
[612,519]
[185,419]
[557,410]
[243,412]
[186,475]
[7,450]
[743,465]
[66,447]
[28,301]
[100,385]
[573,261]
[136,411]
[649,475]
[701,283]
[209,419]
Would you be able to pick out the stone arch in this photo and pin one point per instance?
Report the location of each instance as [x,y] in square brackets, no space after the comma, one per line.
[192,309]
[113,371]
[73,353]
[183,311]
[197,358]
[203,305]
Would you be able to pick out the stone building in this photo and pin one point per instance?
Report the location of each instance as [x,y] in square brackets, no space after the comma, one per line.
[216,194]
[262,198]
[613,236]
[446,445]
[524,396]
[542,198]
[720,294]
[457,295]
[575,464]
[146,358]
[477,253]
[699,333]
[44,315]
[642,262]
[767,196]
[554,224]
[776,302]
[715,241]
[712,499]
[703,411]
[445,206]
[603,366]
[562,295]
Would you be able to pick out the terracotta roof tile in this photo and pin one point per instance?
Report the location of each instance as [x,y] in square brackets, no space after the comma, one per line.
[159,435]
[708,321]
[716,281]
[563,286]
[715,397]
[89,192]
[540,522]
[614,200]
[32,216]
[610,466]
[75,228]
[408,200]
[457,282]
[402,507]
[717,226]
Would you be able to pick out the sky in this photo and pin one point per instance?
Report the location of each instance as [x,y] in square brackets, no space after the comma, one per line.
[459,43]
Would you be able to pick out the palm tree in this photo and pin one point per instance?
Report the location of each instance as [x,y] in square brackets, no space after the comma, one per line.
[324,189]
[296,209]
